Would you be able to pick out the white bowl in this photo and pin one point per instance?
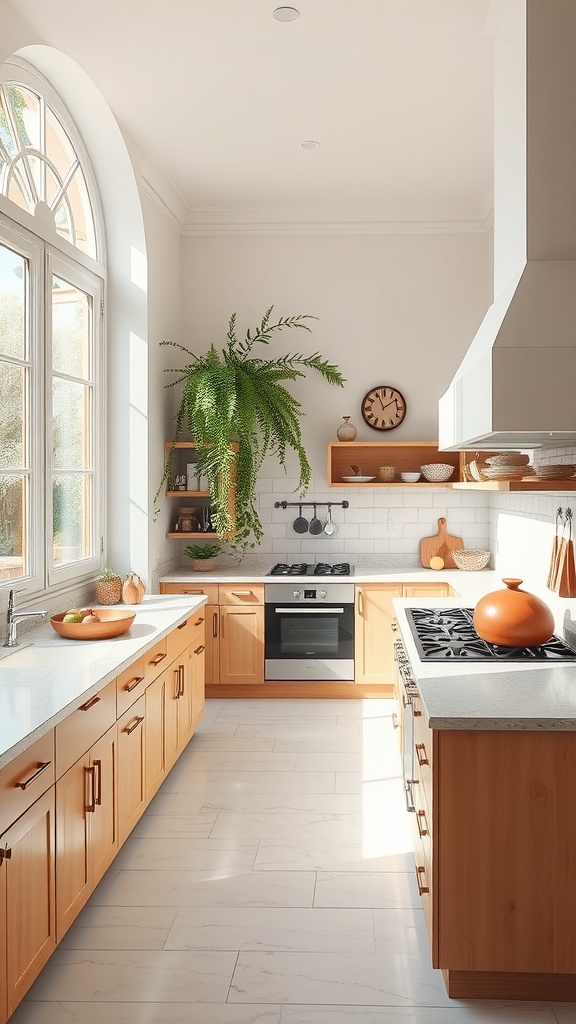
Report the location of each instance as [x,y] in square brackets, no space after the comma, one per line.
[410,478]
[437,472]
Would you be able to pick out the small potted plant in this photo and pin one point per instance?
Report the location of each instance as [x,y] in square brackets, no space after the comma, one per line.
[109,587]
[203,556]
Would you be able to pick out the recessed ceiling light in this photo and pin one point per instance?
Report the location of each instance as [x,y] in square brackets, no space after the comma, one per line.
[286,14]
[309,144]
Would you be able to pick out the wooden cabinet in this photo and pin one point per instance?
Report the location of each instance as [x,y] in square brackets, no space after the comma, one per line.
[494,841]
[234,630]
[86,827]
[131,768]
[27,906]
[373,648]
[373,645]
[155,736]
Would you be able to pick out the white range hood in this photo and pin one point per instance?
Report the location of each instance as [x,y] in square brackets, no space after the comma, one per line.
[516,386]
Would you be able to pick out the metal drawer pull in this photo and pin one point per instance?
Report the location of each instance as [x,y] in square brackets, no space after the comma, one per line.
[193,592]
[180,687]
[422,759]
[241,593]
[421,888]
[91,804]
[132,686]
[42,766]
[130,728]
[5,854]
[158,659]
[182,624]
[394,626]
[89,703]
[421,823]
[215,624]
[395,722]
[200,649]
[98,795]
[417,713]
[360,602]
[199,621]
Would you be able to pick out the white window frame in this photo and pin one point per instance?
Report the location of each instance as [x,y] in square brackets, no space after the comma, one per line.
[49,253]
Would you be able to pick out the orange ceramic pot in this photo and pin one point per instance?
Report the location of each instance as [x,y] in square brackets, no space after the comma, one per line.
[513,617]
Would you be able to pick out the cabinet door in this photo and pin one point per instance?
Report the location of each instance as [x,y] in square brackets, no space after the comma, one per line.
[155,735]
[186,700]
[426,590]
[102,824]
[131,768]
[172,695]
[242,644]
[74,795]
[212,641]
[197,666]
[374,651]
[29,878]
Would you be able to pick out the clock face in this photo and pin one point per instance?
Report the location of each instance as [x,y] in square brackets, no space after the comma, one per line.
[383,407]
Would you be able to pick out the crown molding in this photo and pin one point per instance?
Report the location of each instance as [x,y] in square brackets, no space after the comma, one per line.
[322,221]
[156,184]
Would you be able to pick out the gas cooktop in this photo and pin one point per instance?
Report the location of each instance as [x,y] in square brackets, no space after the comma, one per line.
[449,633]
[305,569]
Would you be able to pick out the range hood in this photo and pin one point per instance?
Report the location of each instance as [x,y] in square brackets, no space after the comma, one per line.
[516,386]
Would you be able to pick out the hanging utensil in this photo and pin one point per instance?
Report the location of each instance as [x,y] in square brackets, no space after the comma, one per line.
[561,558]
[567,580]
[553,571]
[300,524]
[330,527]
[315,525]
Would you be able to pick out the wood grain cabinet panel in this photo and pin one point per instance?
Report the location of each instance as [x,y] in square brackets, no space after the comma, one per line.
[76,734]
[25,778]
[86,827]
[242,643]
[27,880]
[131,768]
[373,645]
[212,641]
[155,728]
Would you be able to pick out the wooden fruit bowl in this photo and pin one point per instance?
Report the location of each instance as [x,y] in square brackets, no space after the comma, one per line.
[113,622]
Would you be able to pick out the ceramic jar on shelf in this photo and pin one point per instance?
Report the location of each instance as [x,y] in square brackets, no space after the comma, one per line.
[346,431]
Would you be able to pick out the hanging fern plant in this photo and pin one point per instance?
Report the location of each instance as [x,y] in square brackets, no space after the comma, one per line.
[231,395]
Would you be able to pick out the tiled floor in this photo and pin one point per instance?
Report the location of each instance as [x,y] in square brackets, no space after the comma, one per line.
[270,882]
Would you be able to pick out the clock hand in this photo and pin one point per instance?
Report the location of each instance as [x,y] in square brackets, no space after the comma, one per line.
[390,403]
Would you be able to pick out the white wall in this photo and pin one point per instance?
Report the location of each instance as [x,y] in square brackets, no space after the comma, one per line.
[391,308]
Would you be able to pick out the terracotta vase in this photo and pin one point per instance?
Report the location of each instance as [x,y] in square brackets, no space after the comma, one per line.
[513,617]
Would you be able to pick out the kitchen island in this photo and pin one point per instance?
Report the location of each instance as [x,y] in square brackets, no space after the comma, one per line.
[491,760]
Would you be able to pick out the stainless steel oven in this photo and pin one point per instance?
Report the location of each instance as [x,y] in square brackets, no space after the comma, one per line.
[309,631]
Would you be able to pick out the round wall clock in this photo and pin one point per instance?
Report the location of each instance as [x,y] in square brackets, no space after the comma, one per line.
[384,407]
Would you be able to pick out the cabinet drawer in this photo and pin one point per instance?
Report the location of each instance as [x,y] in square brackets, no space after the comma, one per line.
[25,779]
[155,660]
[424,756]
[210,590]
[130,684]
[249,593]
[76,734]
[181,637]
[423,866]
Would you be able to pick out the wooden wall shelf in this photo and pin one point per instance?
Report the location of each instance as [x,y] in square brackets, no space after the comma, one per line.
[408,456]
[180,458]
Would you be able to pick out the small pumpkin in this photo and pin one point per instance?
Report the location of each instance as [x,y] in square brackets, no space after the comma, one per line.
[133,589]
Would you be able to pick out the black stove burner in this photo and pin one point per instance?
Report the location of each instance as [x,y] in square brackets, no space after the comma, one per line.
[303,569]
[449,633]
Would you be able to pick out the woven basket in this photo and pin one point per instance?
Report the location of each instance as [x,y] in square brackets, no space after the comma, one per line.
[471,558]
[508,459]
[387,473]
[109,591]
[437,472]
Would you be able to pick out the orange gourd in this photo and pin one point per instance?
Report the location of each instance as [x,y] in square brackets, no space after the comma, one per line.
[133,589]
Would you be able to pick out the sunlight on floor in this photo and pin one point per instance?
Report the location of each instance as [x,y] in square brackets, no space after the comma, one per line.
[386,828]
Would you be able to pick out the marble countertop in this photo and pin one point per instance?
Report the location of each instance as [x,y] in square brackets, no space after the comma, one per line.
[491,695]
[33,700]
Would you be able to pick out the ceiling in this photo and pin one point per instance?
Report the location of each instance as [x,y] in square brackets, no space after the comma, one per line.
[220,95]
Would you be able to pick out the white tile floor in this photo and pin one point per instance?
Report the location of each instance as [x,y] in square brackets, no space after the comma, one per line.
[271,881]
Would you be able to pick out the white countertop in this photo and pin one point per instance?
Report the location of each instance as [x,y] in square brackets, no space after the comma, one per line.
[490,694]
[35,698]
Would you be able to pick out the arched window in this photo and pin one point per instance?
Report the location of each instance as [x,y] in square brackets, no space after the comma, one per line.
[51,341]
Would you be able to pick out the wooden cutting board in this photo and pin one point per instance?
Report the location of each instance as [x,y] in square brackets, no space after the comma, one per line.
[443,544]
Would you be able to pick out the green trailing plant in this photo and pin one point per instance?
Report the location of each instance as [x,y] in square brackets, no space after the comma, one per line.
[232,395]
[202,551]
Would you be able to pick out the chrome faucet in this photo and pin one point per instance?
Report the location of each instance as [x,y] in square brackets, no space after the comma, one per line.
[13,617]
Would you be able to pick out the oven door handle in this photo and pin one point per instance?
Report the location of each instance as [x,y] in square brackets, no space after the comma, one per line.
[309,611]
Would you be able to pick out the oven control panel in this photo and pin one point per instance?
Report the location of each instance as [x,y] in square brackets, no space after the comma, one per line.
[328,593]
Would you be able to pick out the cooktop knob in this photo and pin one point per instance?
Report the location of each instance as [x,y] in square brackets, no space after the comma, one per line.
[323,593]
[296,593]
